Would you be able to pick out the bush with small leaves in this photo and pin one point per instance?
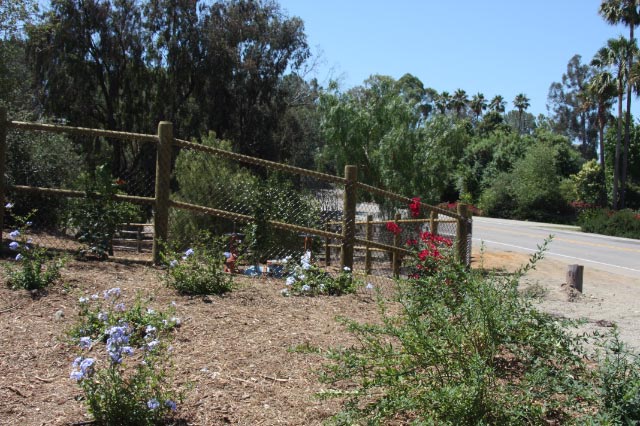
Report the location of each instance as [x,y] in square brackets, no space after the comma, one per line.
[199,269]
[130,384]
[34,269]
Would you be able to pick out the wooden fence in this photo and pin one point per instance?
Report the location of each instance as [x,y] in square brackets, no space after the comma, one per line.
[162,202]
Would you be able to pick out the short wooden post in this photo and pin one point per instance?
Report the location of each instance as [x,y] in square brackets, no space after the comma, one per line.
[3,159]
[163,173]
[575,274]
[462,231]
[433,223]
[395,259]
[367,256]
[139,238]
[349,219]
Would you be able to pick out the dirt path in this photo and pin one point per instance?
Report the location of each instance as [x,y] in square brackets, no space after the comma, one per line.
[608,299]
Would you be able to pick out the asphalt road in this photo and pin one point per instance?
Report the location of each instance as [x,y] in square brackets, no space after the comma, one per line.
[611,254]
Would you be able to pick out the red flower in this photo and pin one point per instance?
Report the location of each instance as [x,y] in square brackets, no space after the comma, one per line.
[414,206]
[423,254]
[120,181]
[412,242]
[394,228]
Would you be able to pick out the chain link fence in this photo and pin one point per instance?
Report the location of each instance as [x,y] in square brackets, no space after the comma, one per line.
[266,213]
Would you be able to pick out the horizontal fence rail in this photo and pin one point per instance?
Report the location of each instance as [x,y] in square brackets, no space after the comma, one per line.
[324,214]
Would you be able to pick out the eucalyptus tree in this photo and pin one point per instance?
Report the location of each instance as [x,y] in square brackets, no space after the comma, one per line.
[625,12]
[521,103]
[573,113]
[497,104]
[613,56]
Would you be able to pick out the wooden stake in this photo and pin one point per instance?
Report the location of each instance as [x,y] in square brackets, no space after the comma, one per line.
[575,274]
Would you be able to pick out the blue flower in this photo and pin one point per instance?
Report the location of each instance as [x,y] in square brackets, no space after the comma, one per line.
[76,375]
[14,245]
[19,257]
[173,263]
[87,365]
[153,404]
[188,252]
[83,300]
[127,350]
[306,287]
[77,361]
[112,293]
[171,405]
[290,280]
[150,330]
[95,297]
[8,205]
[14,234]
[119,307]
[152,344]
[103,316]
[85,342]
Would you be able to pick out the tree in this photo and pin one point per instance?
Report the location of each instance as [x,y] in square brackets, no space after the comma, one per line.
[573,112]
[521,102]
[497,104]
[614,55]
[443,102]
[459,102]
[627,13]
[602,89]
[478,104]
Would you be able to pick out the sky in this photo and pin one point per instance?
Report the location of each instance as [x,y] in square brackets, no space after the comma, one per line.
[496,47]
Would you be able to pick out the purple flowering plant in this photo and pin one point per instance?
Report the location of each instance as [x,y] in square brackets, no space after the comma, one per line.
[33,268]
[123,365]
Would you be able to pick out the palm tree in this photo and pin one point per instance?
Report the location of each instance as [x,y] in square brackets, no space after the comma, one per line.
[459,102]
[443,102]
[478,104]
[602,90]
[521,102]
[614,55]
[623,12]
[497,104]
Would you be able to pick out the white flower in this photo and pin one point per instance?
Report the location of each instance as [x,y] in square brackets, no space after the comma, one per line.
[188,252]
[173,263]
[306,287]
[8,205]
[284,292]
[346,269]
[290,280]
[369,286]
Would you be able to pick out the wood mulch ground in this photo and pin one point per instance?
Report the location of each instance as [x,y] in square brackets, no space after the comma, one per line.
[236,354]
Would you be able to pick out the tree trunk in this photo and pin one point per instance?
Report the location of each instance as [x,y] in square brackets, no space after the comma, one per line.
[625,157]
[616,163]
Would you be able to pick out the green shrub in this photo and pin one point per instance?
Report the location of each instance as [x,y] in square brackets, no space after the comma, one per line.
[34,269]
[199,270]
[307,279]
[464,350]
[95,219]
[623,223]
[130,384]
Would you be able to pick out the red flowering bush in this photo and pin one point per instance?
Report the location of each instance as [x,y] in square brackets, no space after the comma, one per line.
[394,228]
[430,252]
[414,206]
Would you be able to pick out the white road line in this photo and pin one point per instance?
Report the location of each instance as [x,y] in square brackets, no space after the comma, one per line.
[561,255]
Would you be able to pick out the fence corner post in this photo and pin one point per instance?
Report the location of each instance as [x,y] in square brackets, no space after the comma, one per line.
[163,174]
[3,164]
[462,233]
[433,223]
[349,217]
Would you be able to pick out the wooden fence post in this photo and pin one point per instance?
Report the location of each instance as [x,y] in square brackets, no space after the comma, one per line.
[433,225]
[3,160]
[327,243]
[163,174]
[349,218]
[462,231]
[395,258]
[367,256]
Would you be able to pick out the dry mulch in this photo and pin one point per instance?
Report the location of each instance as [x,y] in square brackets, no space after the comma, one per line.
[235,353]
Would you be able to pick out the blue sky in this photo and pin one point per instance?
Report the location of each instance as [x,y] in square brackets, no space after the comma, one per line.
[495,47]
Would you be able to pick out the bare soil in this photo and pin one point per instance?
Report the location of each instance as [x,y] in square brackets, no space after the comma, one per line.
[242,355]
